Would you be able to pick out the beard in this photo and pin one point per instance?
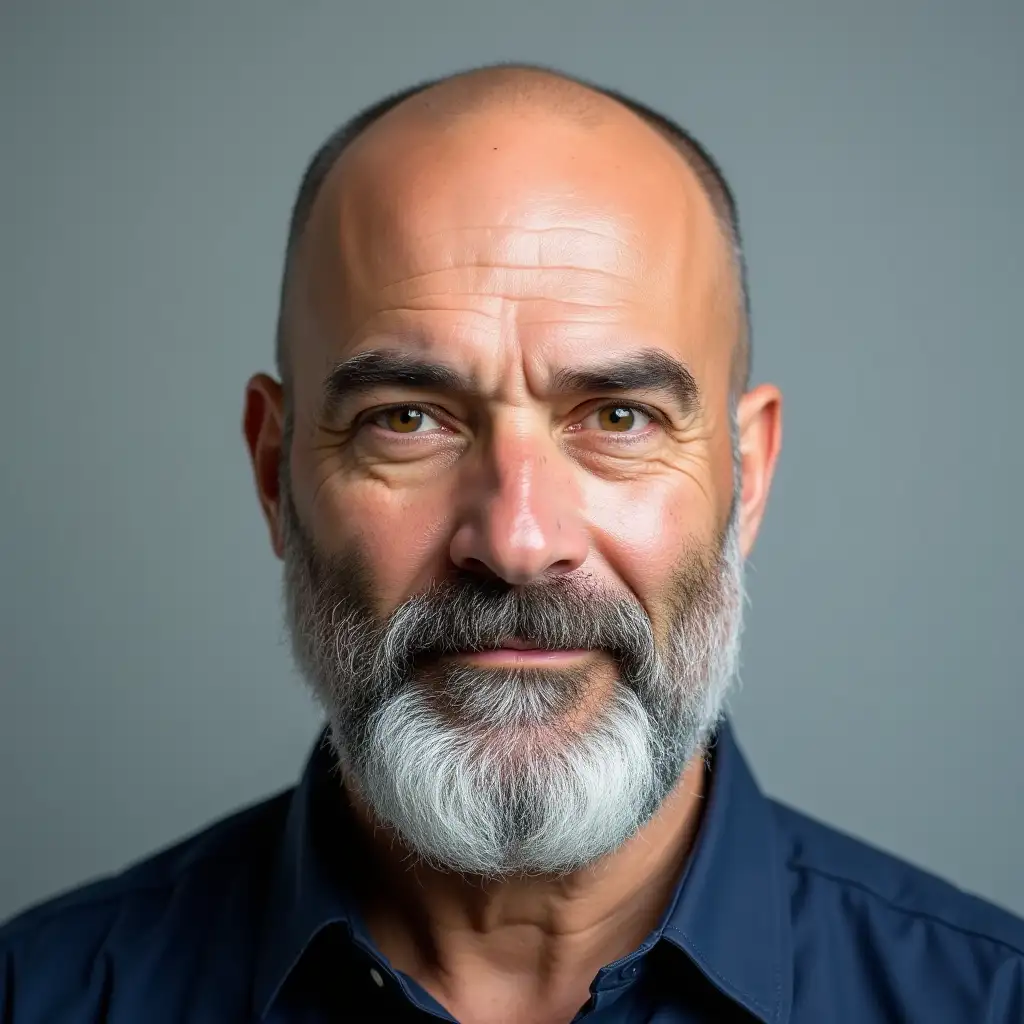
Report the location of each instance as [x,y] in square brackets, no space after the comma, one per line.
[486,771]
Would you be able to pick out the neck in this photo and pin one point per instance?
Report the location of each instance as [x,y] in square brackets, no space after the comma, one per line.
[541,938]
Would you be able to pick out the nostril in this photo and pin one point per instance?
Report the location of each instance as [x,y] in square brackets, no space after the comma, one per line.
[476,567]
[563,566]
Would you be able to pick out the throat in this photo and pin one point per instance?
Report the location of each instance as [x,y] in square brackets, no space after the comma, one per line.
[526,948]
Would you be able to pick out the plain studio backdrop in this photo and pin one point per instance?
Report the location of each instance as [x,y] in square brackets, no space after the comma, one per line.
[149,156]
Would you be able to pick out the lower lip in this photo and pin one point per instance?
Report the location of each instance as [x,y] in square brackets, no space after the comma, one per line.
[515,656]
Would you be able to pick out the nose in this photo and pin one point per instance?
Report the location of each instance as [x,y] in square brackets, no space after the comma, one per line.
[520,518]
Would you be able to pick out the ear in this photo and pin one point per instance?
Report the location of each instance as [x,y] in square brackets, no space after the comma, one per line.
[263,427]
[759,416]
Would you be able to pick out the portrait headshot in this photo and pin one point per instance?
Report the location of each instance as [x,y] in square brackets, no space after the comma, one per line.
[415,607]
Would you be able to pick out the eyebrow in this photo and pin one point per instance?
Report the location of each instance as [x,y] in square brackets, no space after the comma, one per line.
[650,369]
[647,370]
[389,368]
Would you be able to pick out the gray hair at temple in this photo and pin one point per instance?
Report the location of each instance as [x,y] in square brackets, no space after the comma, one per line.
[509,78]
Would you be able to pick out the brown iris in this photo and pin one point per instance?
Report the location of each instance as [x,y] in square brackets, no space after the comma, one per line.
[617,417]
[402,421]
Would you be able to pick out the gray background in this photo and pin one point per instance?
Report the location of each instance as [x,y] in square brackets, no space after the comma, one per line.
[149,156]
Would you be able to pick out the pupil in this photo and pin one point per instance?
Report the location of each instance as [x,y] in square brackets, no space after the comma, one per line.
[620,416]
[407,418]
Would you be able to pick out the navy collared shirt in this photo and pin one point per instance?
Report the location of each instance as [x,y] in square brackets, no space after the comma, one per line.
[776,918]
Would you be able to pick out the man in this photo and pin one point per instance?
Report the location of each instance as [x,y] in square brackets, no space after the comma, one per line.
[513,468]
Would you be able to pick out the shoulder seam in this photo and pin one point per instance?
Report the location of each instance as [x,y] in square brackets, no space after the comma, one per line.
[892,904]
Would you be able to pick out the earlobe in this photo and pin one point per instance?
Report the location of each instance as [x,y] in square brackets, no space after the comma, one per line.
[759,415]
[263,428]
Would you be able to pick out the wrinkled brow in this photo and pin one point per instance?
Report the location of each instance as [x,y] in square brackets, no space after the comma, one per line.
[648,370]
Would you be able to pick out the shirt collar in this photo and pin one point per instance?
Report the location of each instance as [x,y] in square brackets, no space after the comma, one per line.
[729,914]
[731,911]
[310,887]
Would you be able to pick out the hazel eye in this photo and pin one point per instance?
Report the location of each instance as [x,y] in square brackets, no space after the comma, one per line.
[618,419]
[405,419]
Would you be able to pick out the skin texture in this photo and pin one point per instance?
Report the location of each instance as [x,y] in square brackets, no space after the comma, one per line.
[510,235]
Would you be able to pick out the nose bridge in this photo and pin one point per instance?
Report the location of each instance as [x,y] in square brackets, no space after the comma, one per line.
[527,494]
[525,517]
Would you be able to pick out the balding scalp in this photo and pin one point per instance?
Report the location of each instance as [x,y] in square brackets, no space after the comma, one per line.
[527,86]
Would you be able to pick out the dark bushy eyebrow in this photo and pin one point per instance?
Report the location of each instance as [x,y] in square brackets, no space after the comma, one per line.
[388,368]
[646,370]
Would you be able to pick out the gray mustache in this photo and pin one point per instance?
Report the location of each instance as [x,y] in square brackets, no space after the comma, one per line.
[477,615]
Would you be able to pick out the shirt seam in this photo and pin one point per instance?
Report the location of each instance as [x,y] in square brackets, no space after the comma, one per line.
[923,915]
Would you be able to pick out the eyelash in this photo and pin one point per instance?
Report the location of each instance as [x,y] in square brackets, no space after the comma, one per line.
[622,438]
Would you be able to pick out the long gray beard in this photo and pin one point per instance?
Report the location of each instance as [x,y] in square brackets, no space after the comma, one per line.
[476,768]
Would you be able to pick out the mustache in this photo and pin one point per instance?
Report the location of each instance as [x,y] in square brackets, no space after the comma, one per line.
[470,613]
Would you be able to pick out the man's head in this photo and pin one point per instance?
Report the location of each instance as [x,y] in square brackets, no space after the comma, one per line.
[512,418]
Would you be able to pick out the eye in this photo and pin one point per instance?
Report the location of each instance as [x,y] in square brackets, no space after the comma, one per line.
[618,419]
[404,419]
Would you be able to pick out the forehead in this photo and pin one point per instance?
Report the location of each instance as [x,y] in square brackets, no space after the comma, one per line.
[571,224]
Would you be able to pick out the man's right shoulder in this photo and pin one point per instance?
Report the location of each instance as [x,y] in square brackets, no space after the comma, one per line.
[218,847]
[215,877]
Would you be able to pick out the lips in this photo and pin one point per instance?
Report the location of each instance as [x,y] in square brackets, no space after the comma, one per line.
[513,647]
[522,652]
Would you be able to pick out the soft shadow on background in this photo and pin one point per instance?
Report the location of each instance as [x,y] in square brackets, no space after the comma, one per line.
[149,157]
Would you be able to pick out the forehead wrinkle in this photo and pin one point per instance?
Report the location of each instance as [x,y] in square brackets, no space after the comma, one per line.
[479,325]
[519,283]
[481,258]
[472,284]
[566,246]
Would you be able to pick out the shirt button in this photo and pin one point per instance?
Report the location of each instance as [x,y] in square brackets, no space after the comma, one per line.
[377,979]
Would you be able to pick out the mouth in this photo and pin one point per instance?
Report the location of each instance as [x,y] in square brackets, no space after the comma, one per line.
[515,651]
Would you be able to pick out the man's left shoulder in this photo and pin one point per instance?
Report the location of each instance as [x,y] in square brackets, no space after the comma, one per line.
[890,887]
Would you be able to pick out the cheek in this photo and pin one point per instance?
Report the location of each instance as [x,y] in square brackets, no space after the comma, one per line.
[399,534]
[642,529]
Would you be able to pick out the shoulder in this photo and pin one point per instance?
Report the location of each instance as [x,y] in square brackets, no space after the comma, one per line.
[62,950]
[191,861]
[906,942]
[888,884]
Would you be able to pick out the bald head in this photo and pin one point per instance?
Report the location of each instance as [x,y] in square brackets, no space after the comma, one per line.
[440,106]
